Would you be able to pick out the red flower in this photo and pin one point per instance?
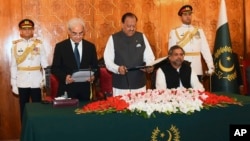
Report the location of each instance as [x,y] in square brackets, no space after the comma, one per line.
[116,104]
[108,105]
[213,99]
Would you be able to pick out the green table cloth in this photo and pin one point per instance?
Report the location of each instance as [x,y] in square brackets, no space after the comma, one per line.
[42,122]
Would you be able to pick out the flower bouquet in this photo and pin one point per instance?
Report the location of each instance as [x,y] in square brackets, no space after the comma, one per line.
[167,101]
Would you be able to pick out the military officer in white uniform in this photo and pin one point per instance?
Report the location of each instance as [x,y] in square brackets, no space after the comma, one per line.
[28,60]
[192,39]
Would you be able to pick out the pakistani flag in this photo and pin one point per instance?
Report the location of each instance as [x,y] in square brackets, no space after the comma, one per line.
[225,77]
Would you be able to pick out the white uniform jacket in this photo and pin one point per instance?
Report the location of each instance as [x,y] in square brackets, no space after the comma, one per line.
[194,45]
[28,60]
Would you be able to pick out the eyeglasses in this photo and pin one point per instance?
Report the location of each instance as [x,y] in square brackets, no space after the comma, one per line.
[77,33]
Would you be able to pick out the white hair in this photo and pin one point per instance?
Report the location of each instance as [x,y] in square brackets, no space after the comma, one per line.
[75,21]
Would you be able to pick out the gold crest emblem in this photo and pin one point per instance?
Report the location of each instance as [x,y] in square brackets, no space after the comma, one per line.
[171,134]
[26,22]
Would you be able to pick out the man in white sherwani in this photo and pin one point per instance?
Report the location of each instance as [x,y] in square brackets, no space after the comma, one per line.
[28,60]
[192,39]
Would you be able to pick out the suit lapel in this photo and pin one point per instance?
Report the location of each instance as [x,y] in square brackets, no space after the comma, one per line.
[84,53]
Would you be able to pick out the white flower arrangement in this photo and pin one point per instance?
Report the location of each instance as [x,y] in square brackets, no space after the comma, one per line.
[166,101]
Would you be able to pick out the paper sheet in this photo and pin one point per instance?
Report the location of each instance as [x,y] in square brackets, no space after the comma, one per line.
[82,76]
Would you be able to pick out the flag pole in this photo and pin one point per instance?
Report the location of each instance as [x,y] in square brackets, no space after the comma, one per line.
[225,78]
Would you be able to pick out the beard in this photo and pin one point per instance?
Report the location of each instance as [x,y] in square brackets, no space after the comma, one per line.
[178,62]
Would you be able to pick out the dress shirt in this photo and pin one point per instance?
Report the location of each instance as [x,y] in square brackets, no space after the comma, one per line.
[79,48]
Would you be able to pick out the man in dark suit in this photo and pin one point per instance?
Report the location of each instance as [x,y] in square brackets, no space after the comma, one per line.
[71,55]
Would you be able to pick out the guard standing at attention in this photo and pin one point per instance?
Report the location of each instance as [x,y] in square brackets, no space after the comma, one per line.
[28,60]
[193,40]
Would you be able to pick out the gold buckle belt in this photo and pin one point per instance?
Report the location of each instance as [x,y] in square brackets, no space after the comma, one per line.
[29,68]
[192,53]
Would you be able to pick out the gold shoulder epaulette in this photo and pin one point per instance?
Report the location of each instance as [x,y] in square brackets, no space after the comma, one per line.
[197,27]
[38,41]
[177,27]
[16,41]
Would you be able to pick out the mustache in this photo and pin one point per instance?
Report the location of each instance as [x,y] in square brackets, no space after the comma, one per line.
[178,61]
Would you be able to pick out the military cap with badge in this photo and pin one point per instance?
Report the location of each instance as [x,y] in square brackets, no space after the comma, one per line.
[185,9]
[26,23]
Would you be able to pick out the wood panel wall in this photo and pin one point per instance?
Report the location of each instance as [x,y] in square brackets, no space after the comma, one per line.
[246,22]
[102,17]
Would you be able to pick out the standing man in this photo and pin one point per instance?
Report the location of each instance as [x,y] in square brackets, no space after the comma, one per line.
[176,72]
[71,55]
[128,49]
[192,39]
[28,60]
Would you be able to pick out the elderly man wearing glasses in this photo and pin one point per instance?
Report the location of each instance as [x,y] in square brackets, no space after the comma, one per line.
[72,55]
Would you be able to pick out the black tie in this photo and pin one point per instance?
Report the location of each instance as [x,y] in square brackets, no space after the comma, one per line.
[77,55]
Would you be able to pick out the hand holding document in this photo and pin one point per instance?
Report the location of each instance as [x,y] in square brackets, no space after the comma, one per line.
[137,68]
[82,75]
[149,65]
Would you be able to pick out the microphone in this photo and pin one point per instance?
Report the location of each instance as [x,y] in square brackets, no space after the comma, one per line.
[90,84]
[210,80]
[127,81]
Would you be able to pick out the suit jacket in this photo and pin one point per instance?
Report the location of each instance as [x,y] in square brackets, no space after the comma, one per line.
[64,62]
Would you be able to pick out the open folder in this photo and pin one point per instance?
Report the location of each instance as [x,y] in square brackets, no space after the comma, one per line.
[149,65]
[137,68]
[82,75]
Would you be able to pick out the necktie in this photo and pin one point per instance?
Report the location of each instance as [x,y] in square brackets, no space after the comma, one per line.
[77,55]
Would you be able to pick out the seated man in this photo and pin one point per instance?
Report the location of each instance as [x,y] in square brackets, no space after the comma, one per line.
[176,72]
